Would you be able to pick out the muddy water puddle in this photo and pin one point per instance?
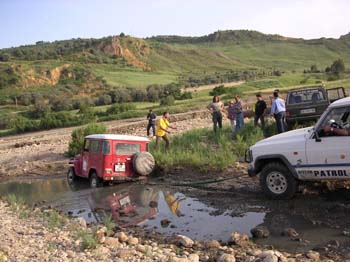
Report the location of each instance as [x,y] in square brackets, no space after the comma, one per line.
[169,211]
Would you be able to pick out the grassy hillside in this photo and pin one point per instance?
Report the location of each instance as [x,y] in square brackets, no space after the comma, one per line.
[50,84]
[124,60]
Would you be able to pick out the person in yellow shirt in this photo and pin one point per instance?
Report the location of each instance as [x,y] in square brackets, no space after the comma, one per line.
[163,126]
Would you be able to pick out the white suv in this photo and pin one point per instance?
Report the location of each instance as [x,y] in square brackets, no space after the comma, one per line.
[308,154]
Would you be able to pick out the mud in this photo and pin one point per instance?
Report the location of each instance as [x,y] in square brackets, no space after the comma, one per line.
[213,211]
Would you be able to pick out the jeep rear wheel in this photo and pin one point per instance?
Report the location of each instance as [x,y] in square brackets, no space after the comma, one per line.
[277,181]
[71,176]
[94,180]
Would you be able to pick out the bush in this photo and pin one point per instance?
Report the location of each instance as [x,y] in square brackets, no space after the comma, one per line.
[104,100]
[22,124]
[120,108]
[218,90]
[167,101]
[185,95]
[60,119]
[332,78]
[77,137]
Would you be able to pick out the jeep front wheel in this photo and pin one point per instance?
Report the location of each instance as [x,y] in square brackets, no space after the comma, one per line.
[71,176]
[277,181]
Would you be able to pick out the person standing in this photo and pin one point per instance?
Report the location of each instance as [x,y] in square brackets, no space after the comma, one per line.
[260,108]
[216,108]
[151,117]
[163,126]
[238,109]
[278,111]
[231,114]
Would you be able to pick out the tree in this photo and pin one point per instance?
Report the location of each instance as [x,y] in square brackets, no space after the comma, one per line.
[313,69]
[77,140]
[338,66]
[104,100]
[167,101]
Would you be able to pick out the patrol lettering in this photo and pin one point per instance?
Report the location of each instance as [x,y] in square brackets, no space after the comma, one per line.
[330,173]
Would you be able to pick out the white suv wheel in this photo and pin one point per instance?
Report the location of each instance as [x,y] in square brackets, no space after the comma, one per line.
[276,182]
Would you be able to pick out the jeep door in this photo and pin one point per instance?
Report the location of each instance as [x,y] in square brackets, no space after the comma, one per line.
[335,93]
[85,159]
[328,155]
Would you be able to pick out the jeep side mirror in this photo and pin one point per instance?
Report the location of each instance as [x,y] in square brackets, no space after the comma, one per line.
[316,136]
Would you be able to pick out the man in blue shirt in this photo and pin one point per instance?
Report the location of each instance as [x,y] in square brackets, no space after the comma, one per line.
[278,111]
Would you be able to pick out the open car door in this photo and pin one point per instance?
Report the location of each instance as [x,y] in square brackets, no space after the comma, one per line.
[335,93]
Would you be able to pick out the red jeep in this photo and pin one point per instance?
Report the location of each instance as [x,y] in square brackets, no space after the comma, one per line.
[111,158]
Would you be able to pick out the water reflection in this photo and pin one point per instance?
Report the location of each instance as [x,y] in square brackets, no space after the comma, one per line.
[158,208]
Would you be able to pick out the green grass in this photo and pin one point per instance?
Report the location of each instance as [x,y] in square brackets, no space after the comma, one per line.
[119,76]
[88,239]
[18,206]
[54,219]
[205,150]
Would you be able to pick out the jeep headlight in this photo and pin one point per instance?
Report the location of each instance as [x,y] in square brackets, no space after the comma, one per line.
[248,156]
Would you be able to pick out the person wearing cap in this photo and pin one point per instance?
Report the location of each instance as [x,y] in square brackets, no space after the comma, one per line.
[260,107]
[278,111]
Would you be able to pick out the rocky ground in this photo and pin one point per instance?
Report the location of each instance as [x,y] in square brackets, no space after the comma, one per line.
[44,235]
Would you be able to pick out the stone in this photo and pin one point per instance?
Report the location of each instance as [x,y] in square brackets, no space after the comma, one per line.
[133,241]
[290,232]
[193,258]
[122,236]
[239,240]
[226,258]
[112,242]
[183,241]
[334,243]
[313,255]
[165,222]
[268,256]
[141,248]
[178,259]
[123,253]
[70,254]
[82,222]
[100,236]
[212,244]
[260,232]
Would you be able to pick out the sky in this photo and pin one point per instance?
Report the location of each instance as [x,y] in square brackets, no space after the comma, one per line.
[28,21]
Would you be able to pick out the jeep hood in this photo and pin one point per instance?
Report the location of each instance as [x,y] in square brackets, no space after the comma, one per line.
[286,137]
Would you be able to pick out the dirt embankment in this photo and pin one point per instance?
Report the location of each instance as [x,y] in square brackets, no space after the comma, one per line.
[43,153]
[209,87]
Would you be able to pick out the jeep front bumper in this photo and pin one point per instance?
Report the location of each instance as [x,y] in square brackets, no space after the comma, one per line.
[251,171]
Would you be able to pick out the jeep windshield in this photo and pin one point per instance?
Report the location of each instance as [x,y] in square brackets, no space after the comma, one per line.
[306,96]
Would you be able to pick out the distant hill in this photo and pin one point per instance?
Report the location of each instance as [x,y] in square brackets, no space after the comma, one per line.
[92,64]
